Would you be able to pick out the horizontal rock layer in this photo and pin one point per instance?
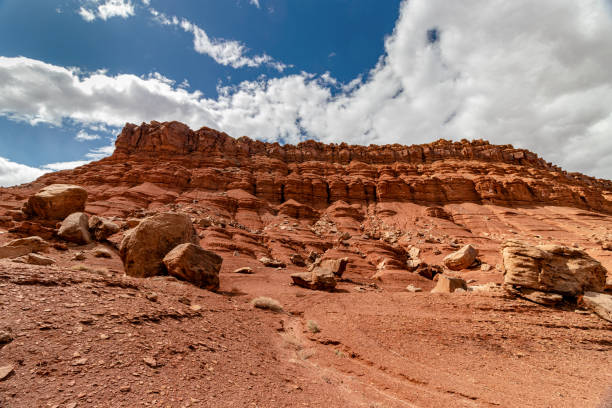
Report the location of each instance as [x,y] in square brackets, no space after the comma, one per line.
[172,155]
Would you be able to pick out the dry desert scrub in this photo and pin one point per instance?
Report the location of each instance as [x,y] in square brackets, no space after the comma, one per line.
[267,303]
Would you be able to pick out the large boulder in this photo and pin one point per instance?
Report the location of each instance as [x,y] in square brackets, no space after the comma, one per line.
[551,268]
[56,202]
[75,228]
[449,284]
[144,247]
[461,259]
[194,264]
[101,228]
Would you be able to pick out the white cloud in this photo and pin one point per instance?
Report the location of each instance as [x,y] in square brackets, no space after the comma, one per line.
[12,173]
[224,52]
[64,165]
[83,136]
[254,2]
[115,8]
[87,15]
[108,9]
[510,72]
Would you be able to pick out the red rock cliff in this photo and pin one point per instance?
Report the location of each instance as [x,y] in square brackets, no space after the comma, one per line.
[172,155]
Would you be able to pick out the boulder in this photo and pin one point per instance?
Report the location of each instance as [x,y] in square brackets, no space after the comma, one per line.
[101,228]
[272,263]
[75,228]
[461,259]
[194,264]
[551,268]
[6,372]
[35,259]
[449,284]
[56,202]
[297,260]
[606,246]
[413,264]
[335,266]
[318,279]
[144,247]
[428,271]
[33,244]
[599,303]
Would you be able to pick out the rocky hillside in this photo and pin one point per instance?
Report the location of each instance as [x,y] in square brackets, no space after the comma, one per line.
[194,269]
[314,174]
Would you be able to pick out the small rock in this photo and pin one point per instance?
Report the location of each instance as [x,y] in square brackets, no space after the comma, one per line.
[150,361]
[485,267]
[35,259]
[5,337]
[244,270]
[272,263]
[297,260]
[413,289]
[151,296]
[79,256]
[125,388]
[6,371]
[80,362]
[102,253]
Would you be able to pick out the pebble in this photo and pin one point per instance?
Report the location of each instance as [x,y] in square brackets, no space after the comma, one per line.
[6,371]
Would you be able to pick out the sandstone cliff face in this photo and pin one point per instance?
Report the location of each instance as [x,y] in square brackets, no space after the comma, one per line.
[170,154]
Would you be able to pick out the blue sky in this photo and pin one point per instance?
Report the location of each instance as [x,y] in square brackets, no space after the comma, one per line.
[535,75]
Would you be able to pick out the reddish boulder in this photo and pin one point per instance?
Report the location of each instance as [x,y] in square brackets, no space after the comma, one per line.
[75,228]
[56,202]
[194,264]
[143,248]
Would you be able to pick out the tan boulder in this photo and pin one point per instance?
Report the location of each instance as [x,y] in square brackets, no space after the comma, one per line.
[75,228]
[194,264]
[101,228]
[272,263]
[56,202]
[36,259]
[449,284]
[143,248]
[462,258]
[551,268]
[34,244]
[600,303]
[318,279]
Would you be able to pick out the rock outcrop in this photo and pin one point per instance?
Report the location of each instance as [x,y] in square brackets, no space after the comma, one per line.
[143,248]
[314,174]
[56,202]
[551,268]
[193,264]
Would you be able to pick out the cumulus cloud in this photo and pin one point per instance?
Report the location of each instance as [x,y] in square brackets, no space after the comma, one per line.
[12,173]
[224,52]
[254,2]
[83,136]
[108,9]
[536,76]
